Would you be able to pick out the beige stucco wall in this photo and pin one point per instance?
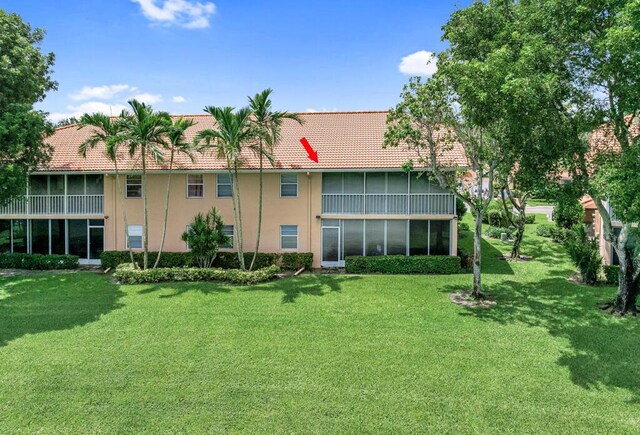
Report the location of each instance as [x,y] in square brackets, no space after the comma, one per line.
[304,211]
[276,210]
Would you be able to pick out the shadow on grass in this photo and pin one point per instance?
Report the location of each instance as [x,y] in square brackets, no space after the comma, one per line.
[180,288]
[312,284]
[35,304]
[602,351]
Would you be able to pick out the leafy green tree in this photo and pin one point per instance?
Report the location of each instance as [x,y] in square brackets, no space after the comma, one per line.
[599,39]
[176,144]
[267,124]
[25,79]
[428,122]
[584,253]
[145,133]
[508,78]
[234,134]
[204,236]
[107,131]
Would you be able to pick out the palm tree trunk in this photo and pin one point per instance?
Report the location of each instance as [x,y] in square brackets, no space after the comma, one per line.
[239,207]
[124,213]
[145,255]
[166,211]
[237,230]
[255,252]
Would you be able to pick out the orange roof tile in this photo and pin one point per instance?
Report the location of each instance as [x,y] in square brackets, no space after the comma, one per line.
[343,140]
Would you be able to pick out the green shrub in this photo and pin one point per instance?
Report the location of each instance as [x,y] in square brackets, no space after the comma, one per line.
[530,219]
[461,208]
[203,237]
[224,260]
[401,264]
[612,274]
[296,260]
[545,230]
[126,273]
[584,253]
[559,235]
[463,226]
[568,213]
[38,261]
[466,260]
[496,232]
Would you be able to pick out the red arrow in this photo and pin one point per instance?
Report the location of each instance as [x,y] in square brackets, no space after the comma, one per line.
[313,155]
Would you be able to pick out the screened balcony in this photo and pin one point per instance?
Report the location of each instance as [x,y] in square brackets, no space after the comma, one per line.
[60,195]
[394,193]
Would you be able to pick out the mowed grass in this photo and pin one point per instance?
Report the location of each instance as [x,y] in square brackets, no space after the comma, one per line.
[319,354]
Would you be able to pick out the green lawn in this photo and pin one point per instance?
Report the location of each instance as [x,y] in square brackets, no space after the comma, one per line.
[319,354]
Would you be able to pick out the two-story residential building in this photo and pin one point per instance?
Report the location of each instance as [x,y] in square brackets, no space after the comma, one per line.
[355,200]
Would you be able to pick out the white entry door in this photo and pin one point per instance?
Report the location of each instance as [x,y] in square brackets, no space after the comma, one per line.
[331,247]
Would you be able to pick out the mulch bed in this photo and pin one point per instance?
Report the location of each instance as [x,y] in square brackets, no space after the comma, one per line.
[464,299]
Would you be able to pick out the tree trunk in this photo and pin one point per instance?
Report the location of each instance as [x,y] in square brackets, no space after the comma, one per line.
[520,226]
[255,252]
[626,298]
[477,244]
[145,242]
[124,214]
[166,211]
[237,214]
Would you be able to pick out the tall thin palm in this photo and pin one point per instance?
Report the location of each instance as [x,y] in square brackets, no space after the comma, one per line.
[108,131]
[232,135]
[176,145]
[145,131]
[268,124]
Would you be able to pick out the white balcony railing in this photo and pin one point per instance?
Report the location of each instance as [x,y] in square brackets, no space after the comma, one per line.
[55,205]
[401,203]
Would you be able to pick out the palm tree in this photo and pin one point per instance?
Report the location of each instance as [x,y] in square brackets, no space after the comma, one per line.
[267,124]
[108,131]
[145,131]
[234,133]
[176,144]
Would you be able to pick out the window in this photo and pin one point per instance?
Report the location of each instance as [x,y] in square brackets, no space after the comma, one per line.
[134,186]
[288,237]
[230,233]
[134,239]
[374,237]
[195,186]
[5,235]
[353,236]
[439,237]
[223,185]
[288,185]
[397,237]
[418,237]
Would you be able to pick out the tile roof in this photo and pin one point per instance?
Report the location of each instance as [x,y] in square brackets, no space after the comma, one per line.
[343,140]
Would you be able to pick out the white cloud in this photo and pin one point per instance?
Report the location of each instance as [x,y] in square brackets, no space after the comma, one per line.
[179,99]
[420,63]
[148,98]
[185,13]
[88,107]
[100,92]
[324,109]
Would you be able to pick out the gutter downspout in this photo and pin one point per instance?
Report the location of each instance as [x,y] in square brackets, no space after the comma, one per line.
[309,211]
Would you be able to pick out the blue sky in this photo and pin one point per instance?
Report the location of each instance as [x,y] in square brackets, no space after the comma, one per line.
[181,55]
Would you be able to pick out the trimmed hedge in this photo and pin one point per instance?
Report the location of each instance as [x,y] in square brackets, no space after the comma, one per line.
[530,219]
[496,232]
[225,260]
[611,274]
[127,274]
[556,233]
[545,230]
[401,264]
[38,261]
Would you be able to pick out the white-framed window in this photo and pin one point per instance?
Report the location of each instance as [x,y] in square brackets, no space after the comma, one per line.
[228,231]
[133,187]
[223,185]
[195,186]
[288,185]
[288,237]
[134,237]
